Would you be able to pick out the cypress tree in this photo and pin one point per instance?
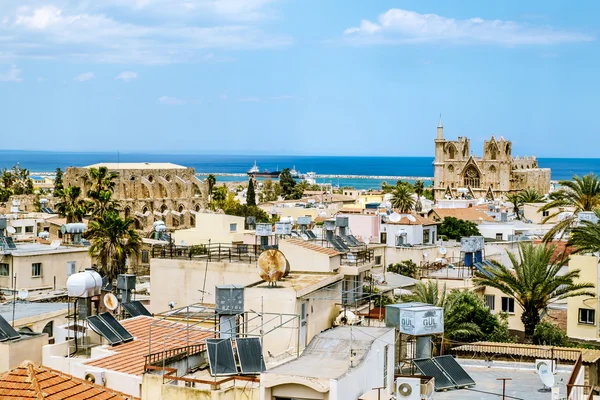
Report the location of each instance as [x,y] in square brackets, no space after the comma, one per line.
[251,195]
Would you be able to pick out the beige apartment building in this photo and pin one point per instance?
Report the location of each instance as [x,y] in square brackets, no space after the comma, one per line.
[41,266]
[582,321]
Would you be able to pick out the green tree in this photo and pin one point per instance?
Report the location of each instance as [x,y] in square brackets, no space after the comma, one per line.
[585,238]
[5,194]
[7,178]
[419,189]
[113,239]
[516,202]
[71,205]
[244,210]
[219,197]
[406,267]
[427,292]
[402,198]
[211,181]
[58,180]
[530,196]
[270,191]
[379,299]
[580,194]
[534,281]
[103,183]
[251,195]
[454,228]
[287,183]
[547,334]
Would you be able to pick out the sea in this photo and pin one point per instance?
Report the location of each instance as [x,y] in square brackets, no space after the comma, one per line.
[42,163]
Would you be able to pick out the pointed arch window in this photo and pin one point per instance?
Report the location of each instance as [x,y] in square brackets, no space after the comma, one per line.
[472,178]
[451,152]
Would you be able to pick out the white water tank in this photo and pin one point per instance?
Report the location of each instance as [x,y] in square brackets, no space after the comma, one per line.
[84,284]
[287,220]
[157,223]
[74,228]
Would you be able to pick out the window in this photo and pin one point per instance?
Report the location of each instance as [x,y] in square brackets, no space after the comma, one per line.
[471,177]
[490,301]
[18,229]
[545,213]
[508,305]
[71,267]
[498,236]
[587,316]
[4,269]
[232,227]
[49,329]
[377,260]
[383,237]
[29,229]
[400,239]
[426,233]
[36,270]
[145,256]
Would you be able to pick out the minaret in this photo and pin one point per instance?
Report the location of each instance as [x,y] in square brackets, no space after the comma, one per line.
[438,163]
[440,129]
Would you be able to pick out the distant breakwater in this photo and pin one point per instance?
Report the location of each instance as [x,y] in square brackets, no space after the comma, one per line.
[334,176]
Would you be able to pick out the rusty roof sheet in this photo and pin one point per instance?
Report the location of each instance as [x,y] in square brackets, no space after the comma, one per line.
[32,381]
[531,351]
[129,358]
[314,247]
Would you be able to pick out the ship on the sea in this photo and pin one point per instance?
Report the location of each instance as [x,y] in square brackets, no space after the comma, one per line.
[256,172]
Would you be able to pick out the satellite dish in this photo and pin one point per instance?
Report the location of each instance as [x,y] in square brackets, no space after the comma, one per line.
[63,229]
[271,266]
[304,237]
[11,230]
[90,377]
[544,370]
[110,301]
[23,294]
[425,254]
[411,218]
[55,244]
[443,250]
[394,217]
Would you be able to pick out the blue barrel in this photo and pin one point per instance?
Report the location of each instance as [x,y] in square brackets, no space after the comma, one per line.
[468,259]
[478,256]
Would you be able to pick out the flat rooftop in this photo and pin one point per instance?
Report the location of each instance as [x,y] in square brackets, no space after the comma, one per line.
[28,309]
[139,165]
[524,383]
[300,281]
[30,249]
[326,357]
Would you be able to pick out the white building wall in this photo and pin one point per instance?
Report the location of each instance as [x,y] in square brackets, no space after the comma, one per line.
[369,374]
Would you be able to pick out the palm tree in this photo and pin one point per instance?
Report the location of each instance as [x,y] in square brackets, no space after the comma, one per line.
[101,191]
[530,196]
[586,237]
[72,205]
[580,194]
[402,198]
[220,196]
[427,292]
[534,281]
[211,181]
[516,201]
[419,188]
[113,239]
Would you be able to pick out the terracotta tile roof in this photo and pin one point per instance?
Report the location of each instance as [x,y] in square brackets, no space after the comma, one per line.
[314,247]
[466,214]
[129,358]
[419,220]
[32,381]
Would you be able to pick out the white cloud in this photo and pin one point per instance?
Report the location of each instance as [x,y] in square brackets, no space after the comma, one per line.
[249,99]
[397,26]
[86,76]
[132,31]
[170,100]
[12,75]
[127,76]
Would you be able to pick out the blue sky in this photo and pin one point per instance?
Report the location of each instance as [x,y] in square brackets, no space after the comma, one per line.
[322,77]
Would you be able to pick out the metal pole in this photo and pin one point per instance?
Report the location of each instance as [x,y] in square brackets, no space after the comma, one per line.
[205,272]
[14,298]
[504,386]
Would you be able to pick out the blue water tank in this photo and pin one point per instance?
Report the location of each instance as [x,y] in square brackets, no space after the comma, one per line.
[478,256]
[468,259]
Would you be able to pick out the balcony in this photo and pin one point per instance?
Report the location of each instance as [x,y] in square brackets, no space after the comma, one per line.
[214,252]
[357,261]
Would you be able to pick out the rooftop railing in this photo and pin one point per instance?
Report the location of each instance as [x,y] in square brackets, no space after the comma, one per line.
[230,252]
[358,258]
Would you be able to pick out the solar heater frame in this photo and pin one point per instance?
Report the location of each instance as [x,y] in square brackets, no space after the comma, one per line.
[97,325]
[7,331]
[215,342]
[242,358]
[437,381]
[116,326]
[130,309]
[140,308]
[464,380]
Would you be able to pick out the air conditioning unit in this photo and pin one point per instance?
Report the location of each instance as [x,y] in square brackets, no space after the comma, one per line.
[95,376]
[408,388]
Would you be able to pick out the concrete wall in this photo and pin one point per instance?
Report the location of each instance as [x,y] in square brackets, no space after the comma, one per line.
[38,322]
[14,352]
[181,280]
[588,265]
[153,388]
[23,225]
[531,213]
[364,226]
[293,391]
[370,373]
[514,319]
[54,268]
[215,227]
[306,260]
